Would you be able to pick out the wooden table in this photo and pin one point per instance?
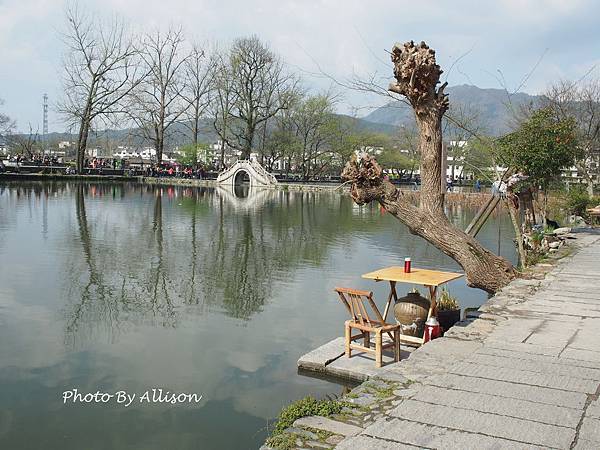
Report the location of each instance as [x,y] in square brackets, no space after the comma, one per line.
[424,277]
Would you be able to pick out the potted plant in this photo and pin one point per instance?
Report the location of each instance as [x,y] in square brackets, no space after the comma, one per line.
[448,310]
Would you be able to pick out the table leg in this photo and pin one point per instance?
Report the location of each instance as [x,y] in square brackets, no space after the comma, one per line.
[393,295]
[432,301]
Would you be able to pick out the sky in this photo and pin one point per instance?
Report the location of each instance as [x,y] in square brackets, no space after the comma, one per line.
[517,44]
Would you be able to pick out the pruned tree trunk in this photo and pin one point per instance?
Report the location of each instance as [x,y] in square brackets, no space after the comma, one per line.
[417,76]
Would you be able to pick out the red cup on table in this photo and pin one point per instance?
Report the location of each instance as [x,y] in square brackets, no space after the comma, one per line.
[406,265]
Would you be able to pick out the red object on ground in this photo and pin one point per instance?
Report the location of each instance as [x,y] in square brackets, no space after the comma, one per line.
[407,265]
[432,329]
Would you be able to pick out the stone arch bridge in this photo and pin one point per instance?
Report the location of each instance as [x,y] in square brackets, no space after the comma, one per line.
[247,171]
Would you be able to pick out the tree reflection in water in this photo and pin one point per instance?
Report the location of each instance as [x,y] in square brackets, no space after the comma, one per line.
[199,249]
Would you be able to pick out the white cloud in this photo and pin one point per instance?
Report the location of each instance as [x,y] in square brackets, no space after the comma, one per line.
[337,37]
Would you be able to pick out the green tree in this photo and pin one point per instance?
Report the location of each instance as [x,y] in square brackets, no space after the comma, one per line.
[541,148]
[191,153]
[395,160]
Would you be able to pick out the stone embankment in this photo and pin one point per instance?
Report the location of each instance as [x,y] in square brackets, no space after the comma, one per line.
[522,372]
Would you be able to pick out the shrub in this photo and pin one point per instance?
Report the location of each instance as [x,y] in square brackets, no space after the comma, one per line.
[578,200]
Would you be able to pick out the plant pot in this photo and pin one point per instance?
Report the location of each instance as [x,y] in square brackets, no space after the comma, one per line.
[447,318]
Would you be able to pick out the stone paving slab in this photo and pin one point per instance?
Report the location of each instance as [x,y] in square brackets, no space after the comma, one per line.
[510,390]
[593,409]
[582,354]
[525,377]
[564,300]
[428,436]
[524,431]
[543,359]
[511,407]
[360,367]
[330,359]
[333,426]
[371,443]
[554,366]
[584,444]
[590,430]
[523,348]
[323,355]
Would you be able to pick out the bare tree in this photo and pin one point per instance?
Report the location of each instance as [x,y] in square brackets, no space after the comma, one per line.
[6,123]
[260,88]
[582,102]
[198,85]
[222,104]
[26,144]
[417,76]
[99,70]
[157,104]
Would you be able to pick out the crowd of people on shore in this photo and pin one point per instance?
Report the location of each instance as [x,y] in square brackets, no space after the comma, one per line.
[99,166]
[176,171]
[36,159]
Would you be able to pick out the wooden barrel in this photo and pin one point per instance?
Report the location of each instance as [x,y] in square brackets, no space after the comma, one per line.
[411,313]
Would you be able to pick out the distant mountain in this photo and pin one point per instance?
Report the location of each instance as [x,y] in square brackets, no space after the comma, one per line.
[179,134]
[494,107]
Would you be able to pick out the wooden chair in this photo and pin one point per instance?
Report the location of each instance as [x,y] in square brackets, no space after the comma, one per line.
[355,301]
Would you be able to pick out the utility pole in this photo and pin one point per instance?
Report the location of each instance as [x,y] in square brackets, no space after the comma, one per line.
[45,123]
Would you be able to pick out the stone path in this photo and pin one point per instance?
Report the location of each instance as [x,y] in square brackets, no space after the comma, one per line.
[524,374]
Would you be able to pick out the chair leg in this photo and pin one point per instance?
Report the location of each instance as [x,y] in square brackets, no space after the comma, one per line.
[396,345]
[378,356]
[367,337]
[348,333]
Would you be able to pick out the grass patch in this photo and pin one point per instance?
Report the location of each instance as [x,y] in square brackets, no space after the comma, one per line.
[385,393]
[307,406]
[321,433]
[282,441]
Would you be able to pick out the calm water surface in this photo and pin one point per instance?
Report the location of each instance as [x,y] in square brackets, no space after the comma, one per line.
[109,287]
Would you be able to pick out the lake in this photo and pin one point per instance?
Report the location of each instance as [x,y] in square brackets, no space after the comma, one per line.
[112,287]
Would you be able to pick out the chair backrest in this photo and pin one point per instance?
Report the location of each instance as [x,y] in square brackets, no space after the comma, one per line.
[354,301]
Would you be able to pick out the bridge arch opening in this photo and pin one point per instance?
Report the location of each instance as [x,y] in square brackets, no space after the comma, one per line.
[241,177]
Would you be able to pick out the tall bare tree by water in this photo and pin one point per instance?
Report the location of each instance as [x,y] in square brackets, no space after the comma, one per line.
[100,69]
[157,104]
[222,103]
[260,87]
[417,77]
[198,86]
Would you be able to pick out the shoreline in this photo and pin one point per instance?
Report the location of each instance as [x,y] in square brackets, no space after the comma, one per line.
[474,199]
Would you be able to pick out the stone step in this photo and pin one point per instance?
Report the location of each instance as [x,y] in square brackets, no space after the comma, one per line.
[326,424]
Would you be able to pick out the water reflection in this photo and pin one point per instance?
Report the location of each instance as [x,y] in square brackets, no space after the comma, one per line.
[218,252]
[195,290]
